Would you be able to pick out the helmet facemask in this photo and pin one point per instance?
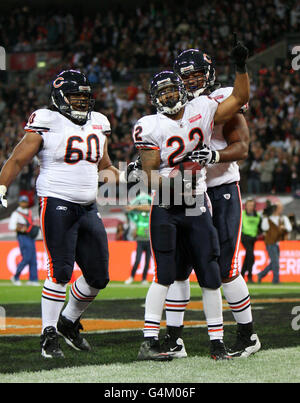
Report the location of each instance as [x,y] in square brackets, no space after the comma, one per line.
[81,105]
[77,110]
[197,81]
[169,99]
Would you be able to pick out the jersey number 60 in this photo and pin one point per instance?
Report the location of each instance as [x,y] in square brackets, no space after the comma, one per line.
[74,155]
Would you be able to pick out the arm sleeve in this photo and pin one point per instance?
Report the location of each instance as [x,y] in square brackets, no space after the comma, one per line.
[39,121]
[144,136]
[223,93]
[208,107]
[106,128]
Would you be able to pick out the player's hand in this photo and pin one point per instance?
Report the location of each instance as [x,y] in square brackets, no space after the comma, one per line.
[3,201]
[205,156]
[239,54]
[133,171]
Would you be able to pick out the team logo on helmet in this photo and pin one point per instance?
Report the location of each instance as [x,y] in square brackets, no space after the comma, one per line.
[57,84]
[207,58]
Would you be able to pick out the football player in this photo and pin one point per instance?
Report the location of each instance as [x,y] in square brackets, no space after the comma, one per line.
[164,140]
[229,143]
[70,140]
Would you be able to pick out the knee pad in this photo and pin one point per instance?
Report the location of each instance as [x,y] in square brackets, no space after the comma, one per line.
[99,284]
[212,276]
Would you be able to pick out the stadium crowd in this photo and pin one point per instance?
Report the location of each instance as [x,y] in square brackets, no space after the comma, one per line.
[120,51]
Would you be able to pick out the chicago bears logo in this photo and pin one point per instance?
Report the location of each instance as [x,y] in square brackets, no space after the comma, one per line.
[58,82]
[206,58]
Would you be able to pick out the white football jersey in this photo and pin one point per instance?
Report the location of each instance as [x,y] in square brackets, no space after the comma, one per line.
[176,138]
[69,156]
[224,172]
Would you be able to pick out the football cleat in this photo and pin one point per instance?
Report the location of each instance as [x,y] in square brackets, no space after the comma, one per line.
[245,345]
[218,351]
[174,346]
[49,343]
[151,350]
[70,332]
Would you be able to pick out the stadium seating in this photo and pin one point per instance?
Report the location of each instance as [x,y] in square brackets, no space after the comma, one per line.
[119,52]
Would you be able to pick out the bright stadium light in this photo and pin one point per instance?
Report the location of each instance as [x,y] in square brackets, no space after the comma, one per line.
[41,64]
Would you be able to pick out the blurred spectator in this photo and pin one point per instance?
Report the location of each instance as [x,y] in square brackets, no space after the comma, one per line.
[120,233]
[112,46]
[276,227]
[251,225]
[132,91]
[295,233]
[21,221]
[281,175]
[295,173]
[138,212]
[254,172]
[266,169]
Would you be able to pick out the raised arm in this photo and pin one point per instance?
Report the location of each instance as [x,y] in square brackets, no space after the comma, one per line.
[241,91]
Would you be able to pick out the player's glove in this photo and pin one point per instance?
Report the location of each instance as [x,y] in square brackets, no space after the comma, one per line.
[239,54]
[3,201]
[133,171]
[205,156]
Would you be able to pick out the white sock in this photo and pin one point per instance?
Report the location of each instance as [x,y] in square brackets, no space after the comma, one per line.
[178,297]
[237,295]
[53,299]
[154,306]
[80,296]
[213,310]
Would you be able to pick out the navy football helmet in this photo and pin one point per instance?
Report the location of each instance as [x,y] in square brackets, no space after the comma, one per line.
[71,82]
[167,84]
[191,61]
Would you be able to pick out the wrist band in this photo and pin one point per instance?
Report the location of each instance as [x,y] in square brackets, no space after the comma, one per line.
[215,157]
[3,190]
[242,69]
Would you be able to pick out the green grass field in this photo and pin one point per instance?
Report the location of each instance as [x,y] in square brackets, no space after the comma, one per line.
[113,357]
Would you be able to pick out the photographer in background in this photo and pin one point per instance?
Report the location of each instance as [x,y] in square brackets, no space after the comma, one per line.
[295,233]
[276,227]
[21,221]
[251,225]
